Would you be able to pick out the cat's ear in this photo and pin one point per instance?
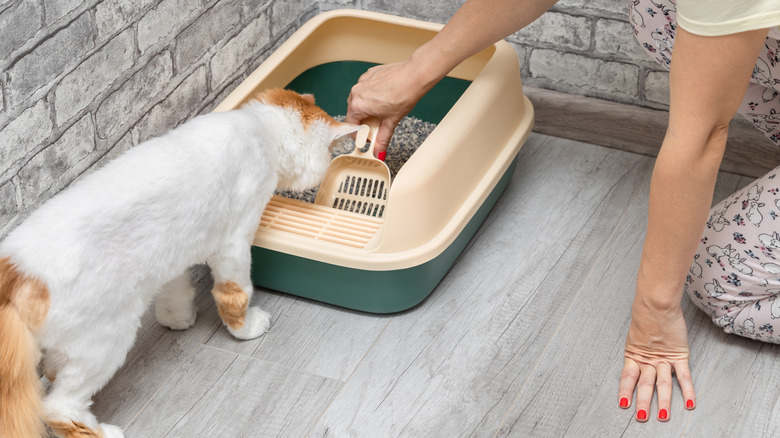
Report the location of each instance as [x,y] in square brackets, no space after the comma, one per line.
[308,98]
[339,130]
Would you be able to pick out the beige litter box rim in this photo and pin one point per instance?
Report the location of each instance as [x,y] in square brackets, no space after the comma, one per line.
[409,235]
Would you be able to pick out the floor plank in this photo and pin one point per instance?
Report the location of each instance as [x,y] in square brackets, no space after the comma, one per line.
[741,397]
[311,337]
[222,394]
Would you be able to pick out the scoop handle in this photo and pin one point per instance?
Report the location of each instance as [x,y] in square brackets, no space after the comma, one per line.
[369,128]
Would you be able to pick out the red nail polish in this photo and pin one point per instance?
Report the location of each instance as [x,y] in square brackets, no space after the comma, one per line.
[663,414]
[641,415]
[689,404]
[624,402]
[381,155]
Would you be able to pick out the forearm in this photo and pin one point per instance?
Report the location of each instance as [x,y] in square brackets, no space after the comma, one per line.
[680,198]
[708,79]
[475,26]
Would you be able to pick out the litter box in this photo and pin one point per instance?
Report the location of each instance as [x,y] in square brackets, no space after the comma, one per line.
[437,200]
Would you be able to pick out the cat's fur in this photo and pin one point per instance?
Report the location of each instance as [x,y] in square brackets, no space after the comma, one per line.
[77,275]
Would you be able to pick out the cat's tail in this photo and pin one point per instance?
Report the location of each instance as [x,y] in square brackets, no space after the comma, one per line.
[24,304]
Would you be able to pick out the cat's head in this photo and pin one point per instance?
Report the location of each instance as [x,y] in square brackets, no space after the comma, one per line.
[308,137]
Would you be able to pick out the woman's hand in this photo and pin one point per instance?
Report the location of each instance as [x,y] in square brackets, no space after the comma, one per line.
[656,348]
[387,92]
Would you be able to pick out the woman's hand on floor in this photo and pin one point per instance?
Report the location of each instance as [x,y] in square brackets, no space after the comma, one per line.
[656,348]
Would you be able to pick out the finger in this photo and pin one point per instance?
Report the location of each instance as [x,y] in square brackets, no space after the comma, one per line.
[354,115]
[644,392]
[663,384]
[686,383]
[383,136]
[628,379]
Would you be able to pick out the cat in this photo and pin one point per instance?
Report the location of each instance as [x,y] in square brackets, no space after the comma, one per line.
[78,274]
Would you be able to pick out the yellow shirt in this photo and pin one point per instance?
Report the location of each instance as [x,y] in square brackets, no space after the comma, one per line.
[723,17]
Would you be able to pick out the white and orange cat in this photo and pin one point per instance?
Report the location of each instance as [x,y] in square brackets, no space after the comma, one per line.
[78,274]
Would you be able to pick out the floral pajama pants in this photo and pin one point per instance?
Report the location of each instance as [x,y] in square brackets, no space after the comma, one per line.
[735,274]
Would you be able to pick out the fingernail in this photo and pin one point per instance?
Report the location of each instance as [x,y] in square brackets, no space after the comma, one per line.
[624,402]
[381,155]
[663,414]
[689,404]
[641,415]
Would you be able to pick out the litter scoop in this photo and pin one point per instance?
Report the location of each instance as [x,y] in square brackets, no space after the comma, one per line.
[357,182]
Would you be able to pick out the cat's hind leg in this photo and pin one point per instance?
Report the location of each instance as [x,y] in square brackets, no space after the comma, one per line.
[233,291]
[82,368]
[174,306]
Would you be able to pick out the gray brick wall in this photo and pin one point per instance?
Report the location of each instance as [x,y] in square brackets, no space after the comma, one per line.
[83,80]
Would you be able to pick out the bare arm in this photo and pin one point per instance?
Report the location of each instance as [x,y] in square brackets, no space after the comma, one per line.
[390,91]
[708,79]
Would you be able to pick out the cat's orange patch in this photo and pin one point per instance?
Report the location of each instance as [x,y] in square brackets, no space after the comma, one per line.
[232,303]
[72,429]
[24,303]
[304,104]
[28,295]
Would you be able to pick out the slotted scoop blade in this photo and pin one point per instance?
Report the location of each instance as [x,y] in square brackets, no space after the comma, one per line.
[357,182]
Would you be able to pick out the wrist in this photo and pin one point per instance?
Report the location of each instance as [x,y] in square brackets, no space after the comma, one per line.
[664,298]
[429,65]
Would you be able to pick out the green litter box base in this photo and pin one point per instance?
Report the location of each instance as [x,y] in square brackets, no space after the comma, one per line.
[369,291]
[358,289]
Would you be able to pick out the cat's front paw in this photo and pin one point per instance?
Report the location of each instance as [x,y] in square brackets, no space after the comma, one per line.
[256,323]
[110,431]
[180,318]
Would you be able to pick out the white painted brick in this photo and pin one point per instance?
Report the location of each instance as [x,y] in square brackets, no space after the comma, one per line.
[582,75]
[8,206]
[439,11]
[59,8]
[161,22]
[614,37]
[242,48]
[127,103]
[55,167]
[285,14]
[125,144]
[657,87]
[556,29]
[617,7]
[253,8]
[93,76]
[23,135]
[113,15]
[203,35]
[17,25]
[522,52]
[175,108]
[50,59]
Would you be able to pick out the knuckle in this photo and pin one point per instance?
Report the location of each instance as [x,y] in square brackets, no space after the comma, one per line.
[629,373]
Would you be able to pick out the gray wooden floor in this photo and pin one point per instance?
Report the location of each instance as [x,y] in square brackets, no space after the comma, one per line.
[524,337]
